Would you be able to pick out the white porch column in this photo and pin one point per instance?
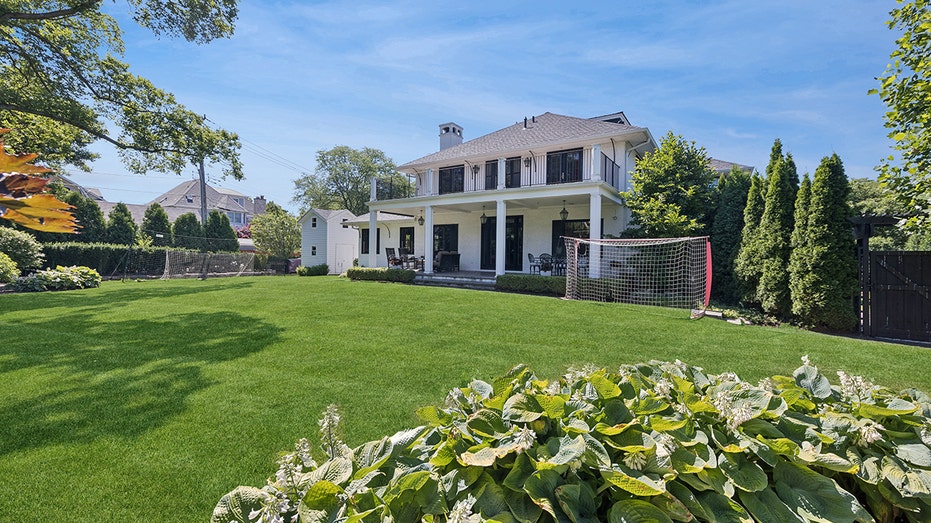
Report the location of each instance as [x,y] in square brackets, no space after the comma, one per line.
[373,238]
[501,165]
[373,190]
[501,220]
[594,265]
[429,183]
[428,240]
[596,163]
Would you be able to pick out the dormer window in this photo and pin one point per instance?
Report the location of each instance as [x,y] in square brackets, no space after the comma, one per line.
[189,198]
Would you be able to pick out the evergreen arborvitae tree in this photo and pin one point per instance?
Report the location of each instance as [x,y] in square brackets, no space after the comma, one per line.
[121,229]
[187,232]
[220,234]
[800,259]
[89,217]
[748,265]
[833,258]
[733,190]
[775,236]
[156,225]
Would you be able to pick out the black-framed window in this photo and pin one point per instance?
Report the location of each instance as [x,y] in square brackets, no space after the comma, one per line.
[406,242]
[446,237]
[313,222]
[572,229]
[364,248]
[452,179]
[512,172]
[564,166]
[491,175]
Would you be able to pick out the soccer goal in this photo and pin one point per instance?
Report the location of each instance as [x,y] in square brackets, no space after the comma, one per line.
[668,272]
[191,264]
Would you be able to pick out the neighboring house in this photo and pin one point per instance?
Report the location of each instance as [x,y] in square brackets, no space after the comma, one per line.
[185,198]
[514,192]
[88,192]
[721,167]
[326,237]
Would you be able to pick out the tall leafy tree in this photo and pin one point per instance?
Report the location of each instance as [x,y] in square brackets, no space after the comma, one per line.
[672,189]
[342,179]
[276,232]
[775,234]
[219,233]
[121,229]
[800,259]
[59,64]
[156,225]
[905,88]
[869,198]
[833,283]
[733,190]
[187,232]
[748,266]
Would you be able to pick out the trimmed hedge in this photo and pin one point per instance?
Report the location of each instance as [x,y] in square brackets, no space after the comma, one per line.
[532,284]
[108,259]
[381,274]
[315,270]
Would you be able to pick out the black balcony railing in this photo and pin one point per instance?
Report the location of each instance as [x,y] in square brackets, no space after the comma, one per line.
[612,172]
[394,187]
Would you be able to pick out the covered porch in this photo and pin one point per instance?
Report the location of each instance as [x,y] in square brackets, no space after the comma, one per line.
[468,225]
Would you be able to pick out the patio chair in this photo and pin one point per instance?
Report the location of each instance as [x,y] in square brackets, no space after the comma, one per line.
[546,263]
[534,264]
[393,260]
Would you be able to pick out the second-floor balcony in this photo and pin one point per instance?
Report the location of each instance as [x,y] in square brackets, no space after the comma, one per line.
[554,168]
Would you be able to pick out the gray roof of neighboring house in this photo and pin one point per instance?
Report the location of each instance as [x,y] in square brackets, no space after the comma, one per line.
[543,130]
[326,214]
[722,166]
[187,196]
[88,192]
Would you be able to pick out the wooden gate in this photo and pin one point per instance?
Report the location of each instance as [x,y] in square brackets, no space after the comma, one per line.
[898,296]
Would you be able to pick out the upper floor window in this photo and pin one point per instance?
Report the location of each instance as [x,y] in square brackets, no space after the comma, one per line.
[491,175]
[313,222]
[512,172]
[564,166]
[452,179]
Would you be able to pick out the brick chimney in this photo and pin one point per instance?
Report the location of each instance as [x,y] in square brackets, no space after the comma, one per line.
[259,205]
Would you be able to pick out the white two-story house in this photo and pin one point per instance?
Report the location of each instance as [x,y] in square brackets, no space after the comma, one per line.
[510,193]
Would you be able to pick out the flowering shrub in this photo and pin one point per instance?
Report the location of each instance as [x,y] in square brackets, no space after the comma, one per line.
[651,442]
[8,269]
[58,279]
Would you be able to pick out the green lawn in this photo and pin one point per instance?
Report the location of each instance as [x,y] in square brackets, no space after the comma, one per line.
[149,401]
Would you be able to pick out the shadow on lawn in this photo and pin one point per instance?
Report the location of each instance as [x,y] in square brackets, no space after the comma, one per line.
[125,377]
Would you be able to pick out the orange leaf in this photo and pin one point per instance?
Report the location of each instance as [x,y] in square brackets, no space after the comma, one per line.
[36,201]
[19,163]
[63,222]
[20,185]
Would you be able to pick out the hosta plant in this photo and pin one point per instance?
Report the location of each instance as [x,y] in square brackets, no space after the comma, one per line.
[657,442]
[58,279]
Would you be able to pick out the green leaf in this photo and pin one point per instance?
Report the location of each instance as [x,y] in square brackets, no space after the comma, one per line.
[541,486]
[665,424]
[522,408]
[522,506]
[520,471]
[616,412]
[483,456]
[322,495]
[685,496]
[336,470]
[896,407]
[578,502]
[570,449]
[553,406]
[236,505]
[814,496]
[813,381]
[434,416]
[490,497]
[765,505]
[648,405]
[596,456]
[633,481]
[745,474]
[487,423]
[606,388]
[636,511]
[915,453]
[723,509]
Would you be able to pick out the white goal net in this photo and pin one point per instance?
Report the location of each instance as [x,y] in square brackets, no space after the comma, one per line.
[668,272]
[191,264]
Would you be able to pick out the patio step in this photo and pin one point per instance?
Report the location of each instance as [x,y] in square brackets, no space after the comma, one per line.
[473,281]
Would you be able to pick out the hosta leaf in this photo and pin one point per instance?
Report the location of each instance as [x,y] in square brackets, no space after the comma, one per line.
[570,449]
[521,407]
[896,407]
[673,508]
[459,479]
[502,517]
[404,438]
[553,406]
[813,381]
[611,430]
[596,456]
[482,389]
[490,496]
[236,506]
[373,453]
[686,462]
[829,461]
[578,502]
[336,470]
[488,423]
[541,486]
[444,455]
[631,441]
[520,471]
[522,506]
[766,506]
[483,456]
[721,483]
[606,388]
[576,426]
[814,496]
[648,405]
[698,404]
[723,509]
[322,495]
[685,496]
[781,446]
[914,453]
[616,412]
[434,415]
[633,481]
[745,474]
[664,424]
[636,511]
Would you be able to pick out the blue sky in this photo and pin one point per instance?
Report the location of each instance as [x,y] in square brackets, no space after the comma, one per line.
[298,77]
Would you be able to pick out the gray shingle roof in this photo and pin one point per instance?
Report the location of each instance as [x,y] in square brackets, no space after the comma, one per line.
[722,166]
[546,129]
